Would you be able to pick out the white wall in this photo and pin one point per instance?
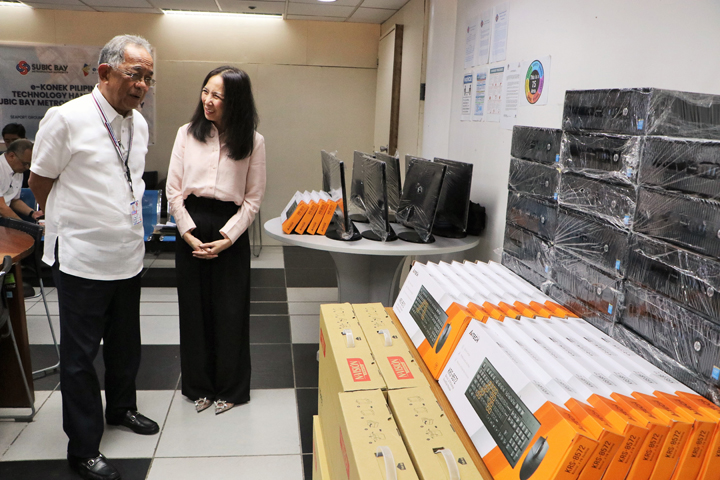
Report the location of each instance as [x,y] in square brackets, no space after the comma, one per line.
[594,44]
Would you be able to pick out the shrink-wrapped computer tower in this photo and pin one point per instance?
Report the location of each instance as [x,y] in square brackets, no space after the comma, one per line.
[536,144]
[613,158]
[614,204]
[534,179]
[530,249]
[533,214]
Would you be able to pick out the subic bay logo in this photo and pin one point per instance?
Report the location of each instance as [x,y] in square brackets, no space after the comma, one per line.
[23,67]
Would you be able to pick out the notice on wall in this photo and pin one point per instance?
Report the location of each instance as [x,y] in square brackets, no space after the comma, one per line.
[479,89]
[493,98]
[36,78]
[537,73]
[471,33]
[512,94]
[483,48]
[498,49]
[466,108]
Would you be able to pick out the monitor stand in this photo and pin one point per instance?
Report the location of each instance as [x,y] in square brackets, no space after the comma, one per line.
[449,232]
[370,235]
[358,217]
[333,234]
[413,237]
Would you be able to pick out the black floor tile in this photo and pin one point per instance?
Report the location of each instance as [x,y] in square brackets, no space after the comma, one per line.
[308,466]
[299,257]
[314,277]
[268,294]
[306,365]
[270,329]
[130,468]
[267,277]
[268,308]
[42,356]
[159,367]
[307,399]
[271,366]
[158,277]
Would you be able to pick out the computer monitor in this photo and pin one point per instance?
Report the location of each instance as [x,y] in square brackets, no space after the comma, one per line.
[452,213]
[334,184]
[419,200]
[376,200]
[394,184]
[357,207]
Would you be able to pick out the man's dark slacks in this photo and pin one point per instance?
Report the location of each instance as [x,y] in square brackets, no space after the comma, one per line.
[91,311]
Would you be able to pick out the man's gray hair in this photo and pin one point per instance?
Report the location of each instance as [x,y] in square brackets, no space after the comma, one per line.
[19,146]
[113,53]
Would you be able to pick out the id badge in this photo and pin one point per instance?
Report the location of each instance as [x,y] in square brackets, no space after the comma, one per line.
[135,213]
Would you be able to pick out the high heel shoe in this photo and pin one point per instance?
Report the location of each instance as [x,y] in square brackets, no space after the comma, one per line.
[202,404]
[222,406]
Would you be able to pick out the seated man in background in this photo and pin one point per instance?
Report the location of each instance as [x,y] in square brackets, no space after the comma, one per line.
[11,132]
[12,165]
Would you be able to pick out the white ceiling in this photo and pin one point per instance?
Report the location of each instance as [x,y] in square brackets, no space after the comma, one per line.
[360,11]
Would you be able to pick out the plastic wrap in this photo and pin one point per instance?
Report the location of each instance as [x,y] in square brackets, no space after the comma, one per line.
[689,278]
[613,158]
[334,184]
[600,320]
[587,283]
[535,215]
[356,206]
[596,242]
[534,179]
[530,249]
[536,144]
[643,111]
[454,203]
[614,204]
[420,196]
[689,338]
[376,204]
[687,221]
[517,266]
[691,166]
[665,363]
[394,187]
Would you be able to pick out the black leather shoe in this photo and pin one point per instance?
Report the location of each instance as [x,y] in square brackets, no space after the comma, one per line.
[138,423]
[96,468]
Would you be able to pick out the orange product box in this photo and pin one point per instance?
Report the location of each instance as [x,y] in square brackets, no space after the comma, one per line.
[293,213]
[317,218]
[710,469]
[312,199]
[327,218]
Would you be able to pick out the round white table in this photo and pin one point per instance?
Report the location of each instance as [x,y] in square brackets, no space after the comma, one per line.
[368,271]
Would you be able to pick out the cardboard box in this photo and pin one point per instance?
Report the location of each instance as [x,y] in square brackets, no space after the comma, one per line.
[320,214]
[321,469]
[710,469]
[293,213]
[427,432]
[369,445]
[327,218]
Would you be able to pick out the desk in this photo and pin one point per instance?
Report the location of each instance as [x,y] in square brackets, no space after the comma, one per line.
[18,245]
[368,271]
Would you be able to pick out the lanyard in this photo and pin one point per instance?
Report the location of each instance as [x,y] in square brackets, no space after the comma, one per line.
[111,133]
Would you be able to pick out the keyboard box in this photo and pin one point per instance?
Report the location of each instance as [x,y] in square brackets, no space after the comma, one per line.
[614,204]
[433,320]
[435,448]
[711,464]
[321,468]
[611,158]
[596,318]
[536,215]
[529,248]
[392,357]
[534,179]
[369,444]
[516,425]
[536,144]
[643,111]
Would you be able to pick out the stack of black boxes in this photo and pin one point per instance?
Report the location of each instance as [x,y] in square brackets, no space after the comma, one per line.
[636,246]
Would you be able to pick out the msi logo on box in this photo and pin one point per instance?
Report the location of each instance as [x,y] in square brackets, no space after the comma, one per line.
[402,372]
[358,370]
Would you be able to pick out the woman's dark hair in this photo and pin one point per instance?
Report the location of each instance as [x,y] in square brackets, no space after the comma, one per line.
[239,117]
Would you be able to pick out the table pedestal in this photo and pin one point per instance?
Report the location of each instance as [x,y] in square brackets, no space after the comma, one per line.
[367,278]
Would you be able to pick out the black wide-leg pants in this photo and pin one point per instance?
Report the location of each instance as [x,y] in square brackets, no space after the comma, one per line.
[91,311]
[214,301]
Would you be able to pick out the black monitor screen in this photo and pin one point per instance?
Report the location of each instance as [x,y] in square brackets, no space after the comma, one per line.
[452,213]
[376,199]
[420,195]
[357,187]
[333,170]
[394,188]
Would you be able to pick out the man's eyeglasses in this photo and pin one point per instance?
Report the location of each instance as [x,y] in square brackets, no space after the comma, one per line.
[136,78]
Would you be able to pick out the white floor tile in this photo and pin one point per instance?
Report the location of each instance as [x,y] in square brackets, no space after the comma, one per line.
[160,329]
[147,262]
[44,439]
[158,308]
[10,429]
[276,467]
[38,308]
[304,308]
[39,330]
[305,328]
[158,291]
[270,257]
[164,263]
[267,425]
[324,295]
[160,297]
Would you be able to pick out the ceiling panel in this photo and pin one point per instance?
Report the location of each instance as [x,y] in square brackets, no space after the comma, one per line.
[56,6]
[315,18]
[319,10]
[56,2]
[128,10]
[343,3]
[119,3]
[371,15]
[389,4]
[198,5]
[235,6]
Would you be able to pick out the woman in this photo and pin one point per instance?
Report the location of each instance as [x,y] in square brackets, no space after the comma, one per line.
[216,181]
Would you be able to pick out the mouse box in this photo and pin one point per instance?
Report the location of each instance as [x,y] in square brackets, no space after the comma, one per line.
[321,469]
[515,423]
[435,448]
[711,464]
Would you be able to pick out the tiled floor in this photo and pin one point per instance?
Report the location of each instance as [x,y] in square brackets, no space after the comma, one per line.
[267,439]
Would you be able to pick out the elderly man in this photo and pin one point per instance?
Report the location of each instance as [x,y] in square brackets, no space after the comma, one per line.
[12,165]
[87,171]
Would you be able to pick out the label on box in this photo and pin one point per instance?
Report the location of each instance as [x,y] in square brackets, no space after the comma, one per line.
[402,372]
[358,370]
[641,124]
[716,373]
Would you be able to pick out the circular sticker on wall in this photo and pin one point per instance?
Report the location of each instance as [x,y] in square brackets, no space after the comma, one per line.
[534,80]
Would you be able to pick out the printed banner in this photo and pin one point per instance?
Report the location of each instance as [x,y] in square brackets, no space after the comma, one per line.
[35,78]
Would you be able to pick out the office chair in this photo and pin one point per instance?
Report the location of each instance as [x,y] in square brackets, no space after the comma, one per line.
[36,231]
[5,321]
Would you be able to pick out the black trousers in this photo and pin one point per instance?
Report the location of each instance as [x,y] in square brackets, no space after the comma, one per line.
[91,311]
[214,301]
